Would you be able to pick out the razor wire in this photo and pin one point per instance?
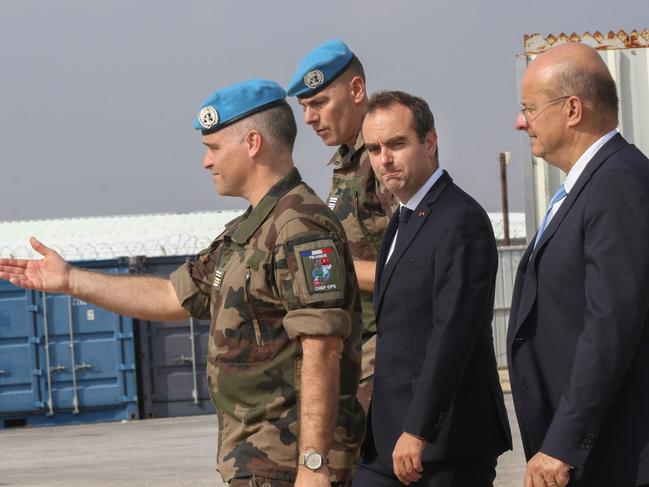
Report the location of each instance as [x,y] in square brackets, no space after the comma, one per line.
[168,245]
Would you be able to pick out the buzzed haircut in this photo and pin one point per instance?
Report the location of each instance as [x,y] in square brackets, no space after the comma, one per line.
[595,87]
[355,68]
[422,116]
[277,124]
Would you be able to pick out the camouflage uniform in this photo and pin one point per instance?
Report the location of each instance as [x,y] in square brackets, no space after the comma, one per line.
[281,270]
[364,207]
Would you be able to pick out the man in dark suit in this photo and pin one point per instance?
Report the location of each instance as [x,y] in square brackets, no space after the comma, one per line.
[578,340]
[437,416]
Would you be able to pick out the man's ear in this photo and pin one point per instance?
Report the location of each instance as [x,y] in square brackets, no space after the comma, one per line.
[575,108]
[357,90]
[431,143]
[253,140]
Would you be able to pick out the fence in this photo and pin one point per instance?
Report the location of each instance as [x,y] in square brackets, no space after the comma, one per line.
[508,259]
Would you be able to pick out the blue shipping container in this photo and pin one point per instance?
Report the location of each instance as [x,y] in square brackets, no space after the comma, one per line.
[63,360]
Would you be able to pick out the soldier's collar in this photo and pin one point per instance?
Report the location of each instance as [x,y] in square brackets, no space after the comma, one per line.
[257,215]
[344,155]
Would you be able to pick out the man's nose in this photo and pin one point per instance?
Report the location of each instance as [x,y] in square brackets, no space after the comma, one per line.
[310,116]
[207,160]
[520,123]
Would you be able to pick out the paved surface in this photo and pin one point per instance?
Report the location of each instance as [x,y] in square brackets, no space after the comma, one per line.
[171,452]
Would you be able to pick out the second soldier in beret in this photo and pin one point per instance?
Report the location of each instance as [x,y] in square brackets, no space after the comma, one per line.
[330,85]
[279,287]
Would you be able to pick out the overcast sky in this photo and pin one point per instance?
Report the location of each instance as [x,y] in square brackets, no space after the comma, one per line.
[97,98]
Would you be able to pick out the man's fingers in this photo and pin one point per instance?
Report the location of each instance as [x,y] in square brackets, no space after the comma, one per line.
[38,246]
[562,479]
[529,481]
[416,462]
[400,471]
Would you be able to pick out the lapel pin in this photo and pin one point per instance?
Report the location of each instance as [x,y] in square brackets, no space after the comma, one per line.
[421,213]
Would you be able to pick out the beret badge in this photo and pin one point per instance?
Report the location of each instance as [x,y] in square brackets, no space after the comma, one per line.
[314,78]
[208,117]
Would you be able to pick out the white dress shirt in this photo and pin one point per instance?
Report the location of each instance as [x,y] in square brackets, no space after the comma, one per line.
[413,202]
[578,168]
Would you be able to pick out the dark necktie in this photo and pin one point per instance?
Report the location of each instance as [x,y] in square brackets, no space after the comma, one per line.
[404,218]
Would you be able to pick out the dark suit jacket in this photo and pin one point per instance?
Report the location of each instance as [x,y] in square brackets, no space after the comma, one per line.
[435,373]
[578,342]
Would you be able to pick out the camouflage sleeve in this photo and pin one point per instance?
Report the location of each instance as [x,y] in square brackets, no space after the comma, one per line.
[311,277]
[192,283]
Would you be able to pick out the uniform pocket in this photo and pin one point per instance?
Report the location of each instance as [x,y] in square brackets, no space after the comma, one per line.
[251,309]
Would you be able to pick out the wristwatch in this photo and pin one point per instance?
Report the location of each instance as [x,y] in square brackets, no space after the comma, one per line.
[312,460]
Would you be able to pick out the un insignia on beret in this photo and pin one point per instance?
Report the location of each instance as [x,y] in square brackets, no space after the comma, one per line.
[208,117]
[314,78]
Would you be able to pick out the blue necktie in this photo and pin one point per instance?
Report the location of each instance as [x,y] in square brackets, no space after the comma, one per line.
[559,195]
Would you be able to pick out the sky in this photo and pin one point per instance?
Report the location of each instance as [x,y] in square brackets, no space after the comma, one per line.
[98,97]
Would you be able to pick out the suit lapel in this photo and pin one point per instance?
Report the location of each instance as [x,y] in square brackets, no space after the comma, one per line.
[419,217]
[383,253]
[529,277]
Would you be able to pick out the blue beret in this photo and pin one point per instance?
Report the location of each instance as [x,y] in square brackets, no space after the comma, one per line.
[236,102]
[319,68]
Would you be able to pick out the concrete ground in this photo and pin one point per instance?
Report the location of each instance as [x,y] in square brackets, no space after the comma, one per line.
[170,452]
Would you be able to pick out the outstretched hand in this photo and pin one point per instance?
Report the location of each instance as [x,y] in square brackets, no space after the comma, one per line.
[51,273]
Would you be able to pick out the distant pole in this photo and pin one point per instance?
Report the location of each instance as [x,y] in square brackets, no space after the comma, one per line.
[504,161]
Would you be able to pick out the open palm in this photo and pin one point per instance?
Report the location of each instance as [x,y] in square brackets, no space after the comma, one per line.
[51,273]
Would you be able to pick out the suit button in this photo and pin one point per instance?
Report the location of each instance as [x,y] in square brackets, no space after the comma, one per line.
[518,339]
[523,386]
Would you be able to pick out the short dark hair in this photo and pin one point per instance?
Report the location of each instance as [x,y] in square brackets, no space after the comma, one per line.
[277,124]
[595,87]
[422,117]
[355,68]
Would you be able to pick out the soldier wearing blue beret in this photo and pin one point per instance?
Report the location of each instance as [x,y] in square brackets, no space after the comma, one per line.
[329,83]
[279,287]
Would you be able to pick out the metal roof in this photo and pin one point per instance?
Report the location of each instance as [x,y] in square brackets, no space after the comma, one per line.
[536,44]
[154,235]
[110,237]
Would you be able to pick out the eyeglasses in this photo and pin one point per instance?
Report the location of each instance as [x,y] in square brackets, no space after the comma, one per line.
[527,112]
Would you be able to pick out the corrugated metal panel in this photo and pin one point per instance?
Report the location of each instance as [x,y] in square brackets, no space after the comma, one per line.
[172,359]
[508,259]
[64,360]
[626,56]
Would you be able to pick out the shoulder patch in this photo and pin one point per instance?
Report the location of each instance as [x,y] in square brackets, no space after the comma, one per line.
[320,267]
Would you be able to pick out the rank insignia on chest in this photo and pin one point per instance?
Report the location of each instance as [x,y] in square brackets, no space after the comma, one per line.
[218,278]
[332,201]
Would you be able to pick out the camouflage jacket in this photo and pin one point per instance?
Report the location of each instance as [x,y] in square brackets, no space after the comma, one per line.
[281,270]
[364,207]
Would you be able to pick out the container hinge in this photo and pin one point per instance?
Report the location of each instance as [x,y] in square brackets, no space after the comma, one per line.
[33,308]
[127,399]
[123,336]
[34,340]
[37,372]
[123,367]
[38,404]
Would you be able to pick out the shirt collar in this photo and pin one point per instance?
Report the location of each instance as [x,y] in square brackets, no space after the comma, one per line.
[344,155]
[413,202]
[254,217]
[584,159]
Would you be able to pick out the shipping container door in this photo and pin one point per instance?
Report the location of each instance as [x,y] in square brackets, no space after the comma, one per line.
[173,359]
[19,388]
[87,354]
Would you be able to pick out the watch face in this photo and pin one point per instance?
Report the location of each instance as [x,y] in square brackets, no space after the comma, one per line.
[313,461]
